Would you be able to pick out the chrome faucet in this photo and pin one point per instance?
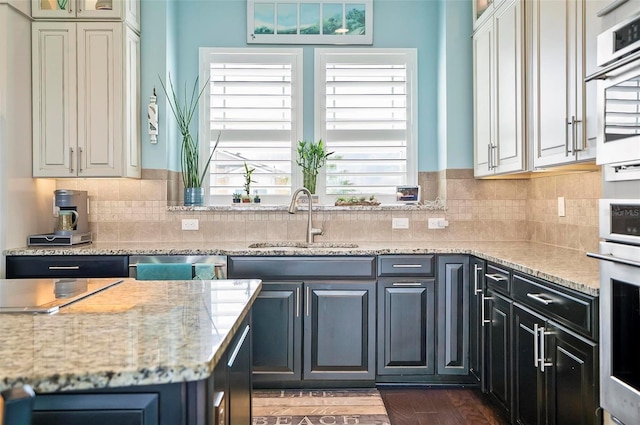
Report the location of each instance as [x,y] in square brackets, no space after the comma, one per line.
[311,232]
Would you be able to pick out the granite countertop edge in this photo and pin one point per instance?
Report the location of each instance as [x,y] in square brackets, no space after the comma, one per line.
[569,268]
[150,373]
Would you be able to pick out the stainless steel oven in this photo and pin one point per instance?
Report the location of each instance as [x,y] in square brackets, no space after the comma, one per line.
[618,145]
[620,308]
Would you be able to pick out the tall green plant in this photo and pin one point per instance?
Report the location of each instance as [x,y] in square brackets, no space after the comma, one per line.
[189,150]
[311,157]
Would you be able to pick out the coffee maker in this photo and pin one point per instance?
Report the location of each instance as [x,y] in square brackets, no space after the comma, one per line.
[70,207]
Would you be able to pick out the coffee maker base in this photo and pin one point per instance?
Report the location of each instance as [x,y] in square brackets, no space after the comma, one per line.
[59,240]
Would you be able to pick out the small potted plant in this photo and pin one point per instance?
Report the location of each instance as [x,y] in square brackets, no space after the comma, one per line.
[247,182]
[236,197]
[311,157]
[256,198]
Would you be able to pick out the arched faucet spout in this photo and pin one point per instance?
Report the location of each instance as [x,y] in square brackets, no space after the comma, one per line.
[311,231]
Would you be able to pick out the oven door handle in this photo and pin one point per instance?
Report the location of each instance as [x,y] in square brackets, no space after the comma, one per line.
[613,259]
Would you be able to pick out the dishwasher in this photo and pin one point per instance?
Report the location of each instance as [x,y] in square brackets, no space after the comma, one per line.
[165,267]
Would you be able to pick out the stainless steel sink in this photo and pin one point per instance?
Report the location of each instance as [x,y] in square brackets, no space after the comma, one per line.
[287,244]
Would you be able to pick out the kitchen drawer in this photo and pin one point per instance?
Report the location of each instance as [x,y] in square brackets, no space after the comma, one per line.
[406,265]
[498,278]
[301,268]
[575,310]
[56,266]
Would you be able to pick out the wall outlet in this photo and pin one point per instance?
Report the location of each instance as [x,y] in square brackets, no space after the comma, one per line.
[561,210]
[437,223]
[400,223]
[189,224]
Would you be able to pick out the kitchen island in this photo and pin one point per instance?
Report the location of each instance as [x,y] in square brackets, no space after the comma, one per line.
[138,342]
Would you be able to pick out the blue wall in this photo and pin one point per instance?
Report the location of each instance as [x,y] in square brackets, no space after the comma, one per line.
[174,30]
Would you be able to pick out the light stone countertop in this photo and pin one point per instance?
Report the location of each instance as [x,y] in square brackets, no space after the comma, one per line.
[133,333]
[567,267]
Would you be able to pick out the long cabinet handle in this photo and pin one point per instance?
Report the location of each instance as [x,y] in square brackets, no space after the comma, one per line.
[64,267]
[540,298]
[79,160]
[567,151]
[476,270]
[236,349]
[496,277]
[406,284]
[575,136]
[482,318]
[542,361]
[489,157]
[536,346]
[407,266]
[308,300]
[298,302]
[71,160]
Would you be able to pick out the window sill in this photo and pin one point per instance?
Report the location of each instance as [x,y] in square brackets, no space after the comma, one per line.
[431,206]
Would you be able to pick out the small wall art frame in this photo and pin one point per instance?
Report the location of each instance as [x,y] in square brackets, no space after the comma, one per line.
[310,21]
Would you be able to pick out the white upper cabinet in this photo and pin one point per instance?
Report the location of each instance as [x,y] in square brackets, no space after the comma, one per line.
[85,99]
[499,142]
[120,10]
[563,114]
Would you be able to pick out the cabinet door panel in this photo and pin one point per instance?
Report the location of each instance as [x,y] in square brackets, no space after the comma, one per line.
[508,24]
[529,406]
[476,336]
[572,390]
[54,106]
[406,327]
[453,315]
[339,331]
[483,85]
[277,335]
[498,340]
[99,99]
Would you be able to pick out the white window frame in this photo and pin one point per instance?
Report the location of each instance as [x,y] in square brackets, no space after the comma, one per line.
[410,56]
[296,116]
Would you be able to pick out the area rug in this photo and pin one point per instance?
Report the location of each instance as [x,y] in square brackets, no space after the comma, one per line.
[319,407]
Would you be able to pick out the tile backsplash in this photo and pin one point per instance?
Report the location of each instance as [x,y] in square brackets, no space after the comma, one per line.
[123,210]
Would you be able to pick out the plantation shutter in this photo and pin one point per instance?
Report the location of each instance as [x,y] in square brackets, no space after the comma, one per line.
[254,102]
[367,120]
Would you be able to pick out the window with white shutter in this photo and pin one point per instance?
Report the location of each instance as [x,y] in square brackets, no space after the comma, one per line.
[254,102]
[366,112]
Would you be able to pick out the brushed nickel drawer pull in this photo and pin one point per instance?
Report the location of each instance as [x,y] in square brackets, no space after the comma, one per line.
[496,277]
[407,283]
[476,269]
[484,298]
[407,266]
[64,267]
[539,298]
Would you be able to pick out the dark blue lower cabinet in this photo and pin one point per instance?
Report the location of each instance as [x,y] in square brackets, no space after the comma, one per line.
[497,330]
[277,333]
[406,327]
[327,327]
[339,331]
[453,315]
[122,407]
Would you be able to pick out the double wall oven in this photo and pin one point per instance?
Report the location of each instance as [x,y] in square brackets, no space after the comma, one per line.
[618,151]
[620,309]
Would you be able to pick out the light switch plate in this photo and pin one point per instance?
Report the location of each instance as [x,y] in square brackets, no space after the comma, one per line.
[400,223]
[189,224]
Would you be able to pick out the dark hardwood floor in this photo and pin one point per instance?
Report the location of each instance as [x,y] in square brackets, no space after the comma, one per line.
[439,406]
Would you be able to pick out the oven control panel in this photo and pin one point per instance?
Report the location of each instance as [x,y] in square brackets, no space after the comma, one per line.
[625,219]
